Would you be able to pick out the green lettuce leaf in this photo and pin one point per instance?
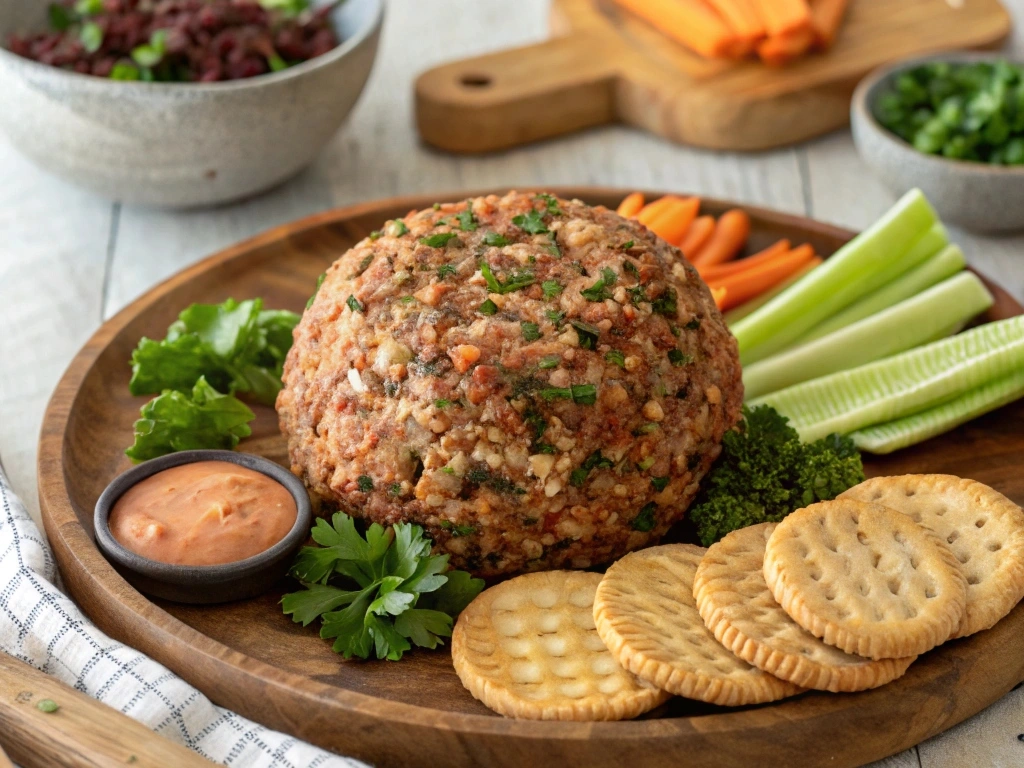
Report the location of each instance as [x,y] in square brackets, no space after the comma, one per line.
[175,421]
[237,346]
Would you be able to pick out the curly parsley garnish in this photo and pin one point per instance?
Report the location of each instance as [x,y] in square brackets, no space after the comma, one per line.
[377,594]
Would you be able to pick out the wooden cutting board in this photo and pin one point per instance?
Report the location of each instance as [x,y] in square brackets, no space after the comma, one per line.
[250,657]
[605,66]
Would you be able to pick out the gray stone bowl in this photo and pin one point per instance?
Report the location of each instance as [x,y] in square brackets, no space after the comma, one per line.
[181,145]
[203,584]
[976,196]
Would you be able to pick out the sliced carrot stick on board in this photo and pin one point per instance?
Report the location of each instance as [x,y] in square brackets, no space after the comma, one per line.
[826,16]
[750,283]
[671,224]
[731,232]
[691,22]
[631,205]
[654,209]
[741,18]
[781,49]
[782,16]
[738,265]
[698,234]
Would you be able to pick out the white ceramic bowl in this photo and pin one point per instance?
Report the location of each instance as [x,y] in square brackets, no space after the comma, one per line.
[181,145]
[977,196]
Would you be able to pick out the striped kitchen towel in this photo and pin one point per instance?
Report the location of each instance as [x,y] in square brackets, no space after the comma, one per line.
[43,627]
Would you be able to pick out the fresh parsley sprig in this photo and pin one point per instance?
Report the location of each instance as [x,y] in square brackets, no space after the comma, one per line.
[378,593]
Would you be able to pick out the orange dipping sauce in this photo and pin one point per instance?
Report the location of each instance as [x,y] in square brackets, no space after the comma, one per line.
[205,513]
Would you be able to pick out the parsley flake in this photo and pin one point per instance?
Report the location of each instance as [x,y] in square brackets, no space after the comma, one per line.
[440,240]
[467,222]
[549,361]
[599,291]
[554,316]
[551,203]
[517,280]
[645,464]
[457,530]
[319,282]
[626,246]
[616,357]
[531,332]
[532,222]
[444,270]
[693,325]
[396,228]
[493,238]
[354,304]
[551,288]
[645,520]
[442,403]
[588,334]
[659,483]
[487,308]
[679,359]
[365,483]
[594,461]
[666,303]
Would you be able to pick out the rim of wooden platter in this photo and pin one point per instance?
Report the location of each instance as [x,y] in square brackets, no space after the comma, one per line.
[76,460]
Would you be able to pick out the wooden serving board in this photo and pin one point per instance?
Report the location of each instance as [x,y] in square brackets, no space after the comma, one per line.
[605,66]
[250,657]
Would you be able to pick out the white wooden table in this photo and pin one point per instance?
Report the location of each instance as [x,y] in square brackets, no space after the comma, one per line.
[69,260]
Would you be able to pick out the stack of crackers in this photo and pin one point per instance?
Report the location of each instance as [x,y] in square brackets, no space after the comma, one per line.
[840,596]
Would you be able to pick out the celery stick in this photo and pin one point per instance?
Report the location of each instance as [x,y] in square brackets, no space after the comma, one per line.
[940,311]
[849,274]
[939,267]
[743,310]
[904,384]
[886,438]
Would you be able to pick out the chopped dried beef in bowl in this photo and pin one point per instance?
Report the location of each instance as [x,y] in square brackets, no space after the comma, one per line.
[179,40]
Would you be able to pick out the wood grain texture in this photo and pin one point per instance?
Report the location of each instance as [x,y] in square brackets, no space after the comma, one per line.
[82,733]
[249,657]
[609,66]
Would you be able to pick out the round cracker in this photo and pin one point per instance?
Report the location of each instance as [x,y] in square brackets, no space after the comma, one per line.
[984,529]
[865,578]
[739,609]
[527,648]
[646,615]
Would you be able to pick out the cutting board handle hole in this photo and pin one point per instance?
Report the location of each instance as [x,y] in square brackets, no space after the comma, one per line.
[476,80]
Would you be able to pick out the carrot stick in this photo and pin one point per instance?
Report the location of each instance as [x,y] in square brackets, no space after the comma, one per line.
[654,209]
[671,224]
[719,295]
[731,232]
[740,17]
[826,16]
[631,205]
[698,234]
[739,265]
[690,22]
[748,284]
[782,16]
[782,49]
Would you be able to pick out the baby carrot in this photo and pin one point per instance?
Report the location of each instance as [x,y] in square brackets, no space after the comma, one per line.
[750,283]
[739,265]
[731,232]
[698,234]
[631,205]
[655,208]
[671,224]
[782,16]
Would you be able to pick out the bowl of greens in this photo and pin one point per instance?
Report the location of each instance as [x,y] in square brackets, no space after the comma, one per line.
[183,104]
[953,125]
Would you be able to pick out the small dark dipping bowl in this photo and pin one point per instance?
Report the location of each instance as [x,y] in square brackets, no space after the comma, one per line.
[203,584]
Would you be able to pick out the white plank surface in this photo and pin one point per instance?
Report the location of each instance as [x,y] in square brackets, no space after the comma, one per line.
[68,259]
